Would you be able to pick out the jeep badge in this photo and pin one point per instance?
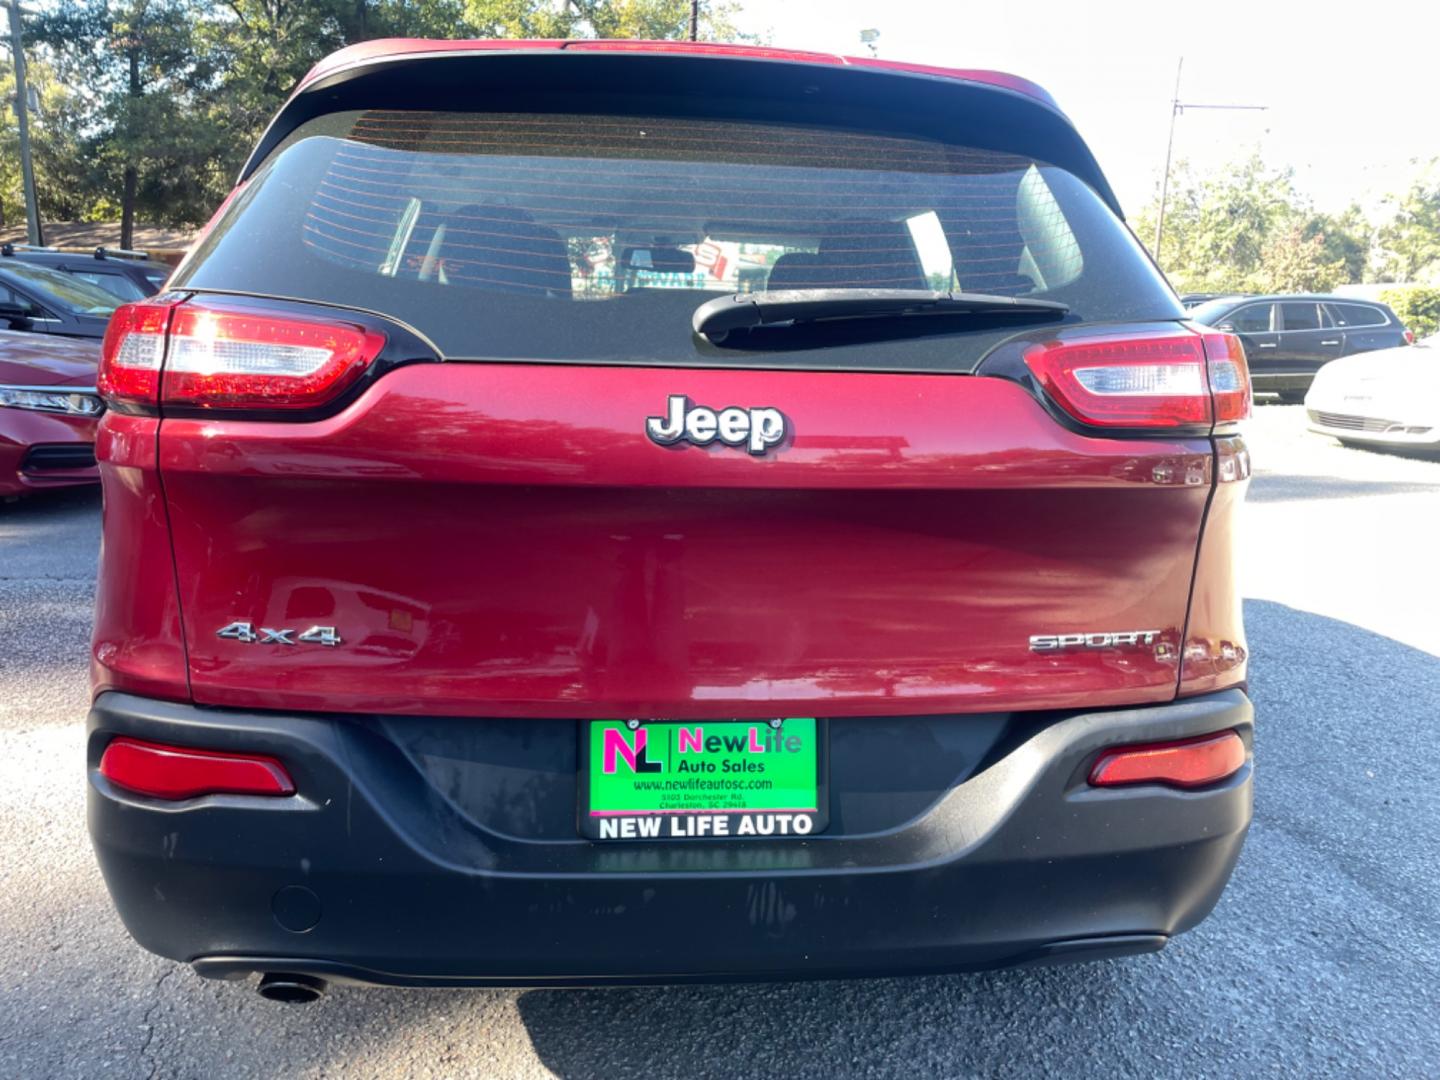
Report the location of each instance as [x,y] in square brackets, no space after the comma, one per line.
[757,430]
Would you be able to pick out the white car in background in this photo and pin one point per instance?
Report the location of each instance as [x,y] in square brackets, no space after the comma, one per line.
[1388,397]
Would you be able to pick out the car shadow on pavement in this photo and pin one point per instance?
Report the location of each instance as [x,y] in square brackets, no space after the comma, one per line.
[42,504]
[1297,965]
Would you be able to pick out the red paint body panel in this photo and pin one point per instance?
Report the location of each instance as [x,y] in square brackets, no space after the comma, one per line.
[1215,654]
[137,644]
[28,359]
[22,429]
[366,52]
[44,360]
[501,539]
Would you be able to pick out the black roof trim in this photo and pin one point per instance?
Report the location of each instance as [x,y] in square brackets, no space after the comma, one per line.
[729,87]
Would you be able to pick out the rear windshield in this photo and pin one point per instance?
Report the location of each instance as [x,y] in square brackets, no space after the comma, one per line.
[553,237]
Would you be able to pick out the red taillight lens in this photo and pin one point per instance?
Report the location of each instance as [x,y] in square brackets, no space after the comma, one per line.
[175,772]
[1187,764]
[131,354]
[1409,337]
[1126,381]
[235,357]
[1229,377]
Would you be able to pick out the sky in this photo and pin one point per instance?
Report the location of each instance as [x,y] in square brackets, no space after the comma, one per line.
[1352,92]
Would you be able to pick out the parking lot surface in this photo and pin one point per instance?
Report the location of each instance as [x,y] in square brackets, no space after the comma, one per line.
[1321,958]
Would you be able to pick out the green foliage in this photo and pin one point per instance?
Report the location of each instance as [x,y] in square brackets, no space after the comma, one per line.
[1346,239]
[59,157]
[1292,262]
[1247,229]
[1417,305]
[1410,241]
[661,20]
[140,81]
[150,106]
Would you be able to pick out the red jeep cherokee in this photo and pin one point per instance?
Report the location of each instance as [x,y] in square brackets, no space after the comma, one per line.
[595,512]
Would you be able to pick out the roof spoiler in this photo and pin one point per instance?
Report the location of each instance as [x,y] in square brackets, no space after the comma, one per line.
[982,108]
[396,48]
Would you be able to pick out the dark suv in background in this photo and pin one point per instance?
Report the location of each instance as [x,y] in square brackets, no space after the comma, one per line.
[41,300]
[1288,338]
[128,275]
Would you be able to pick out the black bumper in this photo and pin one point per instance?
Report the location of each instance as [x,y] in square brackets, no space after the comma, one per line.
[370,873]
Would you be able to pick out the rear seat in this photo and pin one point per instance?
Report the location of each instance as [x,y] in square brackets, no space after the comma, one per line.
[854,254]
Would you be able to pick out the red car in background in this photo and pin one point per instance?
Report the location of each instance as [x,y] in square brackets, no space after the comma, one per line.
[492,592]
[49,409]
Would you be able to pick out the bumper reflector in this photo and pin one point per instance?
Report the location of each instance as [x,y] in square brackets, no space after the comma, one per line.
[1189,763]
[176,772]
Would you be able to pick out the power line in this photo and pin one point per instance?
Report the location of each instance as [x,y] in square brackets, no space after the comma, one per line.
[1176,108]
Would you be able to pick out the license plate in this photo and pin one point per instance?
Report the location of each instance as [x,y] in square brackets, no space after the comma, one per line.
[703,779]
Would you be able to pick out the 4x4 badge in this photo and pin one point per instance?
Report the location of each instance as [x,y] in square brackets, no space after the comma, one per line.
[757,430]
[268,635]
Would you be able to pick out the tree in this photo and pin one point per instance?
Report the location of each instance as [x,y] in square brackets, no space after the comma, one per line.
[1347,238]
[144,93]
[1418,307]
[265,46]
[169,95]
[1292,262]
[661,20]
[54,146]
[1410,242]
[1247,229]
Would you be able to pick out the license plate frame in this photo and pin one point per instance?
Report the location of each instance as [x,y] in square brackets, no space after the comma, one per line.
[721,821]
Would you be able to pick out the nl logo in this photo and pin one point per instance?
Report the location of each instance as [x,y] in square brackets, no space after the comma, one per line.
[633,748]
[664,780]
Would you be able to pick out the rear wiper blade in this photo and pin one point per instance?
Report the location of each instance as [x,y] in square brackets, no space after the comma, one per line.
[746,311]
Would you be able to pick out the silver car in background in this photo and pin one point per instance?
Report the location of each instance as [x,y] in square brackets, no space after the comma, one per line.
[1390,397]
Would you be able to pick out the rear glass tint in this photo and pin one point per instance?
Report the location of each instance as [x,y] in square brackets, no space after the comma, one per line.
[115,284]
[1353,315]
[1301,316]
[595,237]
[1251,319]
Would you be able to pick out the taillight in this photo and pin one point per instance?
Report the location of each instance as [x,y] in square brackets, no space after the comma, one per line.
[1409,337]
[1229,377]
[131,354]
[1187,764]
[177,772]
[1166,379]
[1126,381]
[230,358]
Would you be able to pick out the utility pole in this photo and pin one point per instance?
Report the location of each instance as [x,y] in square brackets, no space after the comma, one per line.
[694,20]
[1176,108]
[1169,146]
[33,232]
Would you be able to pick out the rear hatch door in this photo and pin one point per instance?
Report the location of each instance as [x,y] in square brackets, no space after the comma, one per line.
[494,531]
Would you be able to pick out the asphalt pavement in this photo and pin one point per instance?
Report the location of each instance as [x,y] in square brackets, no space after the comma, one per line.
[1323,958]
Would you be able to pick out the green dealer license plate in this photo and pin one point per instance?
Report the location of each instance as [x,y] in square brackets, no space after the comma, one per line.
[684,780]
